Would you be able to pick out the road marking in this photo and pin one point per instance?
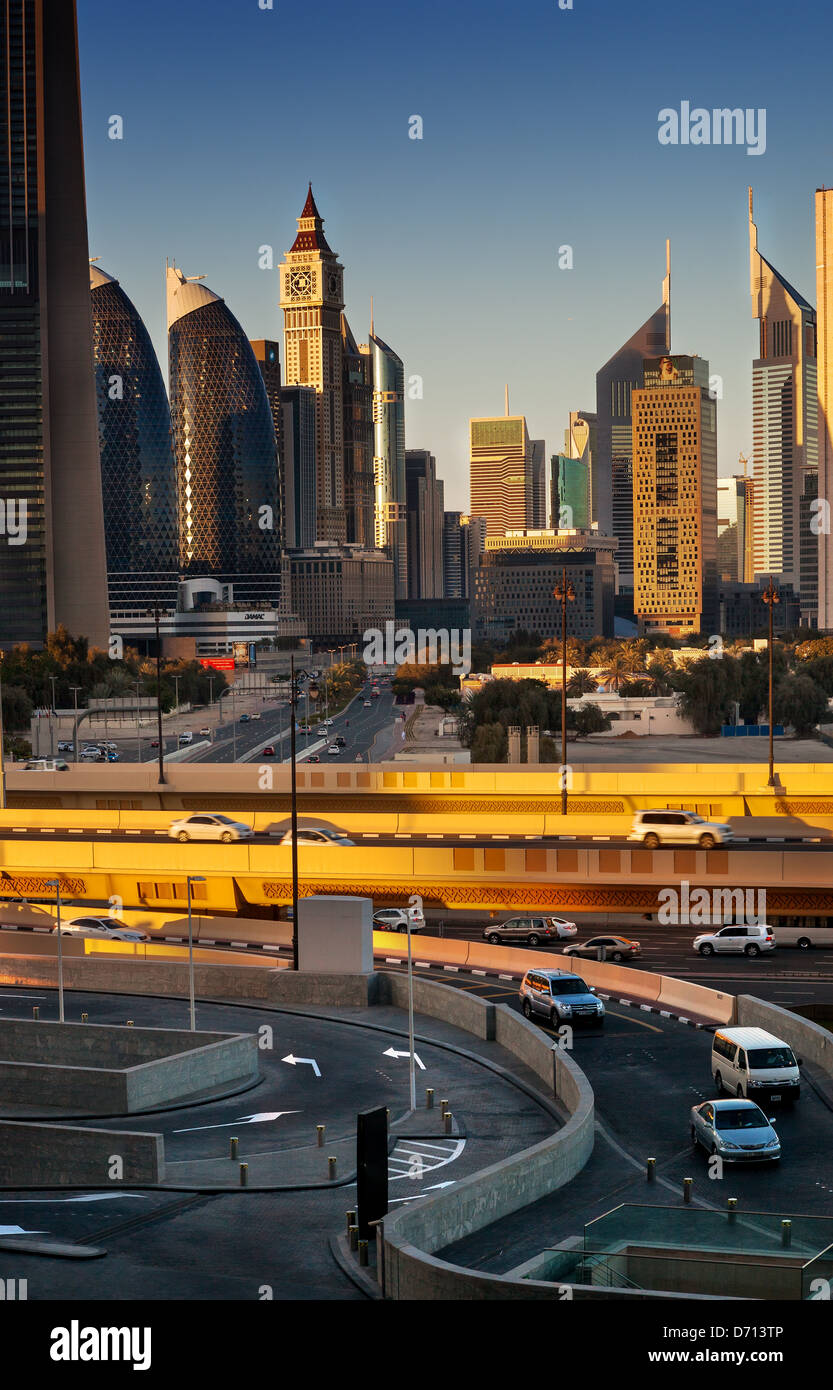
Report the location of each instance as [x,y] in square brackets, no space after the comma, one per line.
[367,836]
[265,1117]
[392,1052]
[48,832]
[452,968]
[478,972]
[506,977]
[302,1061]
[630,1019]
[104,832]
[423,964]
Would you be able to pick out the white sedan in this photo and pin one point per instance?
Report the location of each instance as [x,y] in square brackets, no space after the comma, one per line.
[318,835]
[101,928]
[209,827]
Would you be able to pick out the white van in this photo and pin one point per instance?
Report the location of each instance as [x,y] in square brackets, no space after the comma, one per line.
[752,1063]
[186,739]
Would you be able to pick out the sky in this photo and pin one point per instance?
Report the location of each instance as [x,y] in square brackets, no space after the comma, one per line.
[539,131]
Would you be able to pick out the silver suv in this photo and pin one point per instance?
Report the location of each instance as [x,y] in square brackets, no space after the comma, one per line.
[559,997]
[655,828]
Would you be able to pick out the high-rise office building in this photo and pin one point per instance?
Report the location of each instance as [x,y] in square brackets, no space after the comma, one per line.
[387,372]
[785,425]
[464,540]
[508,474]
[612,469]
[299,413]
[580,442]
[138,478]
[569,494]
[731,529]
[425,495]
[824,310]
[515,578]
[312,298]
[53,566]
[268,358]
[230,523]
[357,416]
[341,591]
[675,498]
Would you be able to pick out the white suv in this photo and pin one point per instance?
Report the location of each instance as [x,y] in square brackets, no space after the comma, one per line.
[749,941]
[655,828]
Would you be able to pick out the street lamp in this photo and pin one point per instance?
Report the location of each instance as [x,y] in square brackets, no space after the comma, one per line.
[75,689]
[564,593]
[156,613]
[771,597]
[192,878]
[294,812]
[53,680]
[56,884]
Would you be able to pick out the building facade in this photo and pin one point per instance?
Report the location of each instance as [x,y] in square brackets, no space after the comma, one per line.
[675,498]
[785,425]
[612,476]
[138,478]
[517,574]
[230,522]
[312,298]
[464,540]
[299,461]
[424,496]
[507,474]
[731,529]
[357,416]
[569,494]
[824,310]
[268,358]
[53,565]
[387,373]
[340,591]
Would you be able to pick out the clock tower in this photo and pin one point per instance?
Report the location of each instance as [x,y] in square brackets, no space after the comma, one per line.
[312,300]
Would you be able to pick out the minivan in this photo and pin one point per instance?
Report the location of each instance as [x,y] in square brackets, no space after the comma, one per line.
[669,827]
[752,1063]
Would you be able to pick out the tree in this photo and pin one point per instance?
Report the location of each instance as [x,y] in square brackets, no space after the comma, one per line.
[799,701]
[490,744]
[589,719]
[582,683]
[616,673]
[709,689]
[17,709]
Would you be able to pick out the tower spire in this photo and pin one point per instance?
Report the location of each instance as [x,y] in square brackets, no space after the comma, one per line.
[507,398]
[371,316]
[666,294]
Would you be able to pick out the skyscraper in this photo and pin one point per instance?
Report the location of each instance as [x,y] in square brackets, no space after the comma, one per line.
[464,540]
[268,358]
[508,474]
[731,528]
[675,498]
[570,494]
[390,516]
[824,309]
[224,444]
[612,474]
[424,496]
[357,415]
[312,299]
[53,566]
[785,425]
[138,478]
[298,465]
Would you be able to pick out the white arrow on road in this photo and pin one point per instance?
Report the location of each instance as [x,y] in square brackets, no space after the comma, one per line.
[423,1193]
[391,1052]
[302,1062]
[19,1231]
[261,1119]
[48,1201]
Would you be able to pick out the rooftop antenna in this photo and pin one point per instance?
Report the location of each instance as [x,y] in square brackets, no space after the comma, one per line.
[507,398]
[371,316]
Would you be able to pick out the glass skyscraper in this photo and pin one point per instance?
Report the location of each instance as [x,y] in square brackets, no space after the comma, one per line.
[138,480]
[389,459]
[52,552]
[224,444]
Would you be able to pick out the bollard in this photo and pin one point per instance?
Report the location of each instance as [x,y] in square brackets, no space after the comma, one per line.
[353,1234]
[448,1117]
[36,1012]
[84,1018]
[363,1253]
[130,1023]
[786,1233]
[651,1169]
[443,1106]
[244,1175]
[319,1129]
[351,1220]
[331,1166]
[233,1153]
[687,1184]
[429,1099]
[732,1207]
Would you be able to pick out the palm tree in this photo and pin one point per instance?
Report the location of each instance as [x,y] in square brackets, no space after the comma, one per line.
[616,673]
[633,657]
[582,683]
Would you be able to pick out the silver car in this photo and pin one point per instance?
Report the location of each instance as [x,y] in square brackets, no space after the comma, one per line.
[664,827]
[737,1131]
[532,930]
[102,929]
[209,827]
[317,835]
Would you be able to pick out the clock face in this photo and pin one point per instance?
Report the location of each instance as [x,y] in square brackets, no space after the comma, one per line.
[333,286]
[300,284]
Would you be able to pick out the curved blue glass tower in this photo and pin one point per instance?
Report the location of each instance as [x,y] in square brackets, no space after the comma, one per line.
[224,446]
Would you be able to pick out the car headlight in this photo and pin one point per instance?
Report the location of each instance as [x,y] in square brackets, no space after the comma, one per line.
[727,1144]
[565,1009]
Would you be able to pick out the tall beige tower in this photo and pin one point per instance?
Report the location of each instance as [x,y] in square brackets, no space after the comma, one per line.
[824,328]
[312,299]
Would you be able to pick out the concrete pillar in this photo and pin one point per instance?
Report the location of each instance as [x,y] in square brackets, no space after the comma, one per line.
[532,744]
[514,737]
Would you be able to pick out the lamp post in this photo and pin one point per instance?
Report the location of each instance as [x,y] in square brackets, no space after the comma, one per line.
[138,725]
[771,597]
[192,878]
[53,680]
[294,812]
[156,613]
[75,689]
[56,884]
[411,1059]
[564,593]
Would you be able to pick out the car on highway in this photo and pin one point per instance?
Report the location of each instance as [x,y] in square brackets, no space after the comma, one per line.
[318,835]
[257,715]
[269,750]
[112,756]
[753,1063]
[46,765]
[244,718]
[205,732]
[532,930]
[616,948]
[101,928]
[66,746]
[334,751]
[93,755]
[314,758]
[209,827]
[559,997]
[671,827]
[326,724]
[340,742]
[747,941]
[304,728]
[186,738]
[368,704]
[397,918]
[737,1130]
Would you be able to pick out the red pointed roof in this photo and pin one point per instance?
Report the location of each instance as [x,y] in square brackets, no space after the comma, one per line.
[310,210]
[310,238]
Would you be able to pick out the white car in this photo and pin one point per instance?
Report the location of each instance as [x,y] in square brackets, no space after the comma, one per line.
[209,827]
[257,715]
[674,827]
[749,941]
[101,928]
[326,724]
[397,918]
[334,751]
[318,835]
[368,704]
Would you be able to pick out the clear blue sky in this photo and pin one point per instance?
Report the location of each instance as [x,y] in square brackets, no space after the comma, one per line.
[540,129]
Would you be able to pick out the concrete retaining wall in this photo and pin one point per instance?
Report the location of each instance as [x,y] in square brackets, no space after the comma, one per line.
[809,1041]
[439,1001]
[58,1155]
